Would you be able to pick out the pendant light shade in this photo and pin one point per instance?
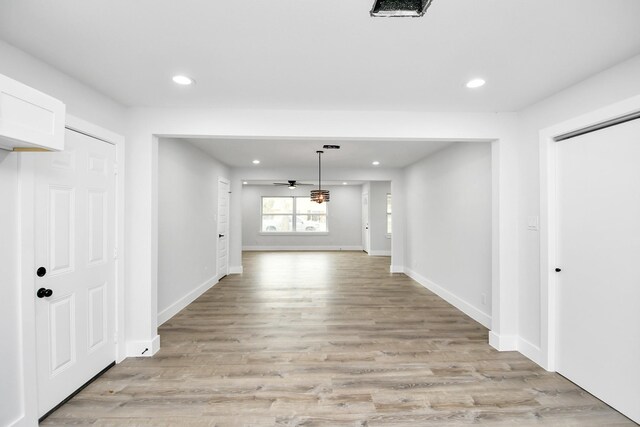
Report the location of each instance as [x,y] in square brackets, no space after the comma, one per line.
[320,196]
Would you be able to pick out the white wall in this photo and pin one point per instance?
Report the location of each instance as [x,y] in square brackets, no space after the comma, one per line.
[611,86]
[343,219]
[187,224]
[82,102]
[449,205]
[380,241]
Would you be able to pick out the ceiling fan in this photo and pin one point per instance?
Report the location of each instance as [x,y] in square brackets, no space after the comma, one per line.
[292,184]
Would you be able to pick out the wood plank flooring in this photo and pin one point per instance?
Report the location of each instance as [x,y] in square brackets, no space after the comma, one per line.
[328,339]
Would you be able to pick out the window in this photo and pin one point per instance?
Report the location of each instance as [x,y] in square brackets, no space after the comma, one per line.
[293,215]
[388,213]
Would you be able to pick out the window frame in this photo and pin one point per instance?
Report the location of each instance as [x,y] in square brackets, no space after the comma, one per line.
[293,214]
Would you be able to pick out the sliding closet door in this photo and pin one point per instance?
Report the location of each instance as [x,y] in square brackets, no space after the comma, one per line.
[599,257]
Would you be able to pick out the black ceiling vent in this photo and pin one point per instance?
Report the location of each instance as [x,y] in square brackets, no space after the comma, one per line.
[331,147]
[400,8]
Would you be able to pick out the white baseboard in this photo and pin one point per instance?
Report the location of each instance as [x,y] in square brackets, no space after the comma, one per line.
[452,299]
[503,342]
[24,421]
[531,351]
[236,269]
[519,344]
[302,248]
[396,269]
[177,306]
[146,348]
[379,253]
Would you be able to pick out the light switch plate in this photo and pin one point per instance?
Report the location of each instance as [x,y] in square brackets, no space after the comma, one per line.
[533,223]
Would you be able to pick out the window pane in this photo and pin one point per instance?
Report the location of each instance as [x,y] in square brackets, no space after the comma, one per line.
[277,223]
[277,205]
[388,224]
[304,205]
[388,203]
[311,223]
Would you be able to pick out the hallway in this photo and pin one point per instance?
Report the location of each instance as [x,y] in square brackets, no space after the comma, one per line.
[331,339]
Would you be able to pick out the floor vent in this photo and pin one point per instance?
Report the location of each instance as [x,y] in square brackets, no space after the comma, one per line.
[400,8]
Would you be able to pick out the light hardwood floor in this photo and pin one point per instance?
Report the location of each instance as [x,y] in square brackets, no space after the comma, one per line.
[328,339]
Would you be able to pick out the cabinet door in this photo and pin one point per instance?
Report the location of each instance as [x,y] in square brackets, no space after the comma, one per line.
[29,119]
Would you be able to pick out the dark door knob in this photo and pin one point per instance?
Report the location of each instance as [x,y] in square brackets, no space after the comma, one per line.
[44,293]
[558,270]
[41,271]
[220,235]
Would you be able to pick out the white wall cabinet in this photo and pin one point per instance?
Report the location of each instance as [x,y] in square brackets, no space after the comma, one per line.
[29,119]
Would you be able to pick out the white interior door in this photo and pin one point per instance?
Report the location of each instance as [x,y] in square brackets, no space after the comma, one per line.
[598,345]
[75,277]
[223,227]
[366,232]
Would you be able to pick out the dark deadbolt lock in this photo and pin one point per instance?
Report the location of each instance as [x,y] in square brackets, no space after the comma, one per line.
[44,293]
[41,271]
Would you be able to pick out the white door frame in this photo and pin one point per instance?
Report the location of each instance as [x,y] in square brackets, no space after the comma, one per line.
[549,216]
[26,177]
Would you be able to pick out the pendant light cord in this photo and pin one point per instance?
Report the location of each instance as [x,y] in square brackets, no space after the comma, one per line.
[319,170]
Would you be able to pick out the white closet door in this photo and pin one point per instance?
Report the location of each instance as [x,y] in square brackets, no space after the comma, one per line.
[74,243]
[366,233]
[598,344]
[223,227]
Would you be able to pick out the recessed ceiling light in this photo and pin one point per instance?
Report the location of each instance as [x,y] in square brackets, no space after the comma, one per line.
[244,182]
[344,183]
[475,83]
[183,80]
[256,162]
[375,163]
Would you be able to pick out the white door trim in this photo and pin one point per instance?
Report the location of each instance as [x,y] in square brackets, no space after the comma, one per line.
[548,216]
[26,180]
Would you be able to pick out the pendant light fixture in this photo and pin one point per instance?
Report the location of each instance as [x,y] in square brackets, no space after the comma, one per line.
[320,196]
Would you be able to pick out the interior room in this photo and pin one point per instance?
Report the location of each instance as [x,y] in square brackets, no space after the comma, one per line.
[259,214]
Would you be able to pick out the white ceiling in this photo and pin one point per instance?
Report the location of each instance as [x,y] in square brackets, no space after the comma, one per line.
[325,54]
[292,153]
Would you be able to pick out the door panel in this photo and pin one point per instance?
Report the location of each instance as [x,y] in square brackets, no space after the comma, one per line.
[97,226]
[598,251]
[61,229]
[75,243]
[62,334]
[97,316]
